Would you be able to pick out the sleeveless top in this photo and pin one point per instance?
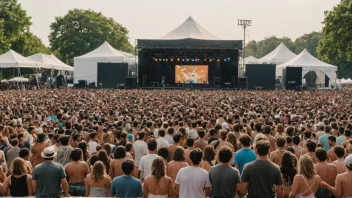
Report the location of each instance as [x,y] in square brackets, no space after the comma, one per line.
[97,192]
[157,196]
[19,187]
[311,195]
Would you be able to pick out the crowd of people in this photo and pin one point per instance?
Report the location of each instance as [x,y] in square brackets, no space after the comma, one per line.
[169,143]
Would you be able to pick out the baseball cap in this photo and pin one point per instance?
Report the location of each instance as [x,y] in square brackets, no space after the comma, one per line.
[348,161]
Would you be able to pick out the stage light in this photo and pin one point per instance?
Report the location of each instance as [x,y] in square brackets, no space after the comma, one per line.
[156,60]
[163,59]
[205,60]
[210,60]
[178,59]
[192,60]
[225,59]
[228,58]
[183,60]
[167,60]
[218,60]
[172,59]
[187,59]
[159,59]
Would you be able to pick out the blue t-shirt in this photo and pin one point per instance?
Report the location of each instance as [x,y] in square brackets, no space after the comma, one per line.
[244,156]
[126,186]
[324,141]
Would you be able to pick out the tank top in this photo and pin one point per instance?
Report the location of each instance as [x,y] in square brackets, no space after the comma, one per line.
[19,187]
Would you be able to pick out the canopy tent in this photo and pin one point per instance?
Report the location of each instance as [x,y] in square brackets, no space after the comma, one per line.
[18,79]
[189,35]
[309,63]
[279,56]
[12,59]
[51,61]
[86,66]
[249,60]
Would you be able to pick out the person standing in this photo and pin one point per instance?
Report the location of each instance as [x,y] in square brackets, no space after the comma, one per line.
[147,160]
[276,156]
[223,177]
[98,183]
[158,185]
[126,185]
[343,186]
[193,181]
[115,164]
[93,142]
[140,148]
[64,151]
[161,141]
[200,142]
[178,162]
[49,176]
[37,149]
[332,143]
[13,152]
[340,162]
[245,154]
[261,176]
[324,139]
[77,171]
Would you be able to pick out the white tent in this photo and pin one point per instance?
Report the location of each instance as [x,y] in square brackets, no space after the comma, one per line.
[18,79]
[249,60]
[86,66]
[280,55]
[13,59]
[309,63]
[43,58]
[189,29]
[60,65]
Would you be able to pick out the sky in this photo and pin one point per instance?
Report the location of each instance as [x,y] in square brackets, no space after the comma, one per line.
[152,19]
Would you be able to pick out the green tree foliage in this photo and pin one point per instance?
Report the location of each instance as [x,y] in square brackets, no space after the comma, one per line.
[308,41]
[261,48]
[336,45]
[81,31]
[14,30]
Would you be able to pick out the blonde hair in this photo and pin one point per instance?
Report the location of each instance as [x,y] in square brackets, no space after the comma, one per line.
[98,172]
[280,128]
[158,168]
[18,167]
[306,167]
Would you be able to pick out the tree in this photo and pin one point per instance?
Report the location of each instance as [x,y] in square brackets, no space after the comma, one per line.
[261,48]
[308,41]
[81,31]
[336,45]
[29,44]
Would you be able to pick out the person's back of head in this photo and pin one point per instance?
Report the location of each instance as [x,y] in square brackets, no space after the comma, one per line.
[128,167]
[327,129]
[245,140]
[296,140]
[190,142]
[179,154]
[177,137]
[196,156]
[164,153]
[311,145]
[151,144]
[306,167]
[64,139]
[225,154]
[321,154]
[170,131]
[280,142]
[76,155]
[92,135]
[201,132]
[307,134]
[339,151]
[40,138]
[14,142]
[212,132]
[348,133]
[267,130]
[194,124]
[262,147]
[223,134]
[236,128]
[332,138]
[24,152]
[161,132]
[119,152]
[141,135]
[258,127]
[341,131]
[165,125]
[290,131]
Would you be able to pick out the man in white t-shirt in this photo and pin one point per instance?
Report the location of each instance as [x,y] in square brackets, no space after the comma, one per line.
[140,148]
[193,133]
[145,165]
[93,142]
[161,141]
[193,181]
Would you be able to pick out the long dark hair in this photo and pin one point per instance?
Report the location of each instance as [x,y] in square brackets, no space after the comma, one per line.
[288,169]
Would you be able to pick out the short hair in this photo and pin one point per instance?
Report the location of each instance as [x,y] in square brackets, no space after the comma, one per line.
[321,154]
[289,139]
[280,141]
[161,132]
[128,146]
[339,151]
[190,142]
[194,124]
[14,142]
[164,153]
[347,133]
[223,134]
[213,132]
[64,139]
[296,140]
[245,140]
[177,137]
[307,134]
[76,154]
[179,154]
[170,130]
[332,138]
[290,130]
[196,156]
[225,154]
[76,136]
[262,147]
[141,135]
[267,129]
[127,167]
[40,137]
[258,127]
[94,158]
[23,152]
[92,135]
[311,145]
[119,152]
[201,132]
[152,144]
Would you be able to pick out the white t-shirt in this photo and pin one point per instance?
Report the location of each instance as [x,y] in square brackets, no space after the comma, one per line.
[169,138]
[145,164]
[156,133]
[140,149]
[92,146]
[192,181]
[162,143]
[193,134]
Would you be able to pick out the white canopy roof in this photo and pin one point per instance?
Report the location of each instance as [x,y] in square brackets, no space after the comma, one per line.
[51,61]
[280,55]
[190,29]
[250,60]
[18,79]
[13,59]
[310,63]
[61,64]
[104,52]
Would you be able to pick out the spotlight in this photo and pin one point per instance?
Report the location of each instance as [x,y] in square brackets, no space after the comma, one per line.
[210,60]
[178,59]
[192,60]
[187,59]
[218,60]
[183,59]
[167,60]
[159,59]
[205,60]
[156,59]
[163,59]
[171,59]
[228,58]
[225,59]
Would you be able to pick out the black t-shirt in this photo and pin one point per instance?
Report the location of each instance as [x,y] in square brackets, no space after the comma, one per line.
[262,176]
